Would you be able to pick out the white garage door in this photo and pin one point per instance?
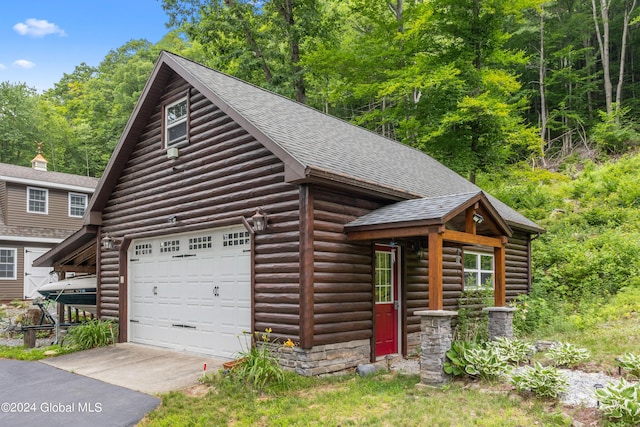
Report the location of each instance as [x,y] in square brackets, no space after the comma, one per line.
[191,291]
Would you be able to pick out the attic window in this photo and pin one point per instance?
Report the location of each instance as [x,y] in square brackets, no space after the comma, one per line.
[176,123]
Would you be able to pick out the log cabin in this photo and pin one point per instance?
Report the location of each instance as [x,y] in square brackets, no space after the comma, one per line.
[227,209]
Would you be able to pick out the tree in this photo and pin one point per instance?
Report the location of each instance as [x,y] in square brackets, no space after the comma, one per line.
[19,122]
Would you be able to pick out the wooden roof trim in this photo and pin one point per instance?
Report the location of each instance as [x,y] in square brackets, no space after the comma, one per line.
[70,245]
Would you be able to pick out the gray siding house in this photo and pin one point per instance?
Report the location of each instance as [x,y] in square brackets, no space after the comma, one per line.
[38,209]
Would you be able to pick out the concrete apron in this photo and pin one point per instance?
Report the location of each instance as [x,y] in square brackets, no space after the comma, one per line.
[138,367]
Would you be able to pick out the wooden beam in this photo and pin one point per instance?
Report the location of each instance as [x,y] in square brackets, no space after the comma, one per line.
[500,294]
[435,271]
[388,233]
[469,223]
[472,239]
[306,267]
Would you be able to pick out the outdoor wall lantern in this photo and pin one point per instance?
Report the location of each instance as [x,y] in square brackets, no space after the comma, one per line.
[477,218]
[172,219]
[259,220]
[108,243]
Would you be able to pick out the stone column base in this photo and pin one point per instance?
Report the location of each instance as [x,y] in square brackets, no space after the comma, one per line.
[500,321]
[436,335]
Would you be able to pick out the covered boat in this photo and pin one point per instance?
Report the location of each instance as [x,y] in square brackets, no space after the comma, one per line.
[78,292]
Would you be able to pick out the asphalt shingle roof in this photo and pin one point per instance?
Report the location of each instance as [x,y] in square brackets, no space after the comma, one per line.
[65,179]
[325,143]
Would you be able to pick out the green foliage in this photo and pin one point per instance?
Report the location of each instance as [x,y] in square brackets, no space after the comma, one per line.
[620,402]
[258,366]
[615,134]
[543,381]
[565,354]
[512,350]
[630,363]
[38,353]
[91,334]
[486,363]
[472,322]
[457,363]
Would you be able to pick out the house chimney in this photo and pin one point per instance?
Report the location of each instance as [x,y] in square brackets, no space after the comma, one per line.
[39,162]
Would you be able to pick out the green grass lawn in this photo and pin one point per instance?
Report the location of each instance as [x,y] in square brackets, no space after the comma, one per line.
[381,400]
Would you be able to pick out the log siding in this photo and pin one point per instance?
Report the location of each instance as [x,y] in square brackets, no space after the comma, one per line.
[221,175]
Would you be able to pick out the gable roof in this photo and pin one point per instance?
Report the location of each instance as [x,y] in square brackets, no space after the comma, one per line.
[49,179]
[425,211]
[314,146]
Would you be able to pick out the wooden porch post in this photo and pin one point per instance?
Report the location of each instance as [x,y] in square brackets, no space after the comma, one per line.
[499,256]
[435,269]
[306,267]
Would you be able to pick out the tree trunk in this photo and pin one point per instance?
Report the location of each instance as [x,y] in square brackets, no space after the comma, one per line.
[628,9]
[603,43]
[541,72]
[286,11]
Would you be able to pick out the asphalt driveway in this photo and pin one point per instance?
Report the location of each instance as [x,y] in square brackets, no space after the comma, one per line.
[33,393]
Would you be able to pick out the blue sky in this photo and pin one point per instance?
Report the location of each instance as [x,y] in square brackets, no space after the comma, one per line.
[40,40]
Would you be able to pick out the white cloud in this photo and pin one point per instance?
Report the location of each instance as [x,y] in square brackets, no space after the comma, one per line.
[37,28]
[23,63]
[3,67]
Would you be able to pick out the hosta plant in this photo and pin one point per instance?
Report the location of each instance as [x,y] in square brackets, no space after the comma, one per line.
[620,402]
[512,350]
[486,363]
[456,362]
[564,354]
[630,363]
[543,381]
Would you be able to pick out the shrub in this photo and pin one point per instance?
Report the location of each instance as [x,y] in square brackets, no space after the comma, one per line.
[621,402]
[457,363]
[485,363]
[258,366]
[540,380]
[91,334]
[630,363]
[512,350]
[568,355]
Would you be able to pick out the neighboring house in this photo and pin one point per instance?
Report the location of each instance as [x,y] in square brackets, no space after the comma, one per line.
[38,209]
[361,231]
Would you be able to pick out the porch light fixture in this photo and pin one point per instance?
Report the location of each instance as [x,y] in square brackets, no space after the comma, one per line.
[172,219]
[477,218]
[259,220]
[108,243]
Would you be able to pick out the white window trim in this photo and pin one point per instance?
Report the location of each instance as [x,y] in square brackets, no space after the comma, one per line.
[167,127]
[46,200]
[479,270]
[86,201]
[15,263]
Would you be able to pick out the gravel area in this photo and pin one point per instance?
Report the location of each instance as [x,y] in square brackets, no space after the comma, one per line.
[10,327]
[581,384]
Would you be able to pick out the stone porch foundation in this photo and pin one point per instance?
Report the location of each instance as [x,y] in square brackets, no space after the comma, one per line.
[436,337]
[500,321]
[324,359]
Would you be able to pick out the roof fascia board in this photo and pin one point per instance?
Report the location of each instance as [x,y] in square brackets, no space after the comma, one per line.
[486,204]
[127,140]
[30,239]
[68,245]
[46,184]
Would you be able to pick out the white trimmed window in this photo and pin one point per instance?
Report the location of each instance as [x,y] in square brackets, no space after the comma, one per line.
[37,200]
[8,264]
[478,270]
[77,204]
[175,124]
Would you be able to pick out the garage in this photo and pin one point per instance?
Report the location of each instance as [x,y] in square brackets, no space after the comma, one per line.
[191,292]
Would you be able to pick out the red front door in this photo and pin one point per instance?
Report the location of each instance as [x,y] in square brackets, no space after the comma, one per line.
[387,300]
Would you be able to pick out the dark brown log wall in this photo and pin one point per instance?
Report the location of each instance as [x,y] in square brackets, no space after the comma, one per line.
[343,281]
[220,176]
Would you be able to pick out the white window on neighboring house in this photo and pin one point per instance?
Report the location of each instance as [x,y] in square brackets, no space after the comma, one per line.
[37,200]
[8,264]
[478,270]
[77,204]
[176,123]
